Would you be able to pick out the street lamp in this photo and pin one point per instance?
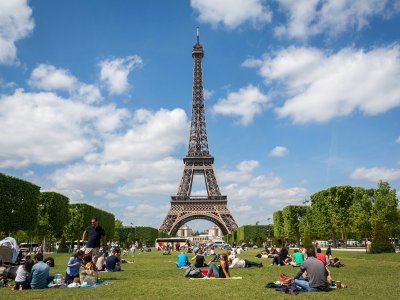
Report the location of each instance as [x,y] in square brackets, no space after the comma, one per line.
[134,233]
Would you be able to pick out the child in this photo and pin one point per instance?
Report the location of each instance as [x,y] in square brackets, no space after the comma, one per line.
[73,267]
[88,271]
[21,279]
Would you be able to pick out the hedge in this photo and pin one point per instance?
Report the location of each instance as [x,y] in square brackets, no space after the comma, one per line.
[19,204]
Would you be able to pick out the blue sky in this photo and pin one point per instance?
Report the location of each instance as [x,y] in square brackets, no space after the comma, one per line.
[95,99]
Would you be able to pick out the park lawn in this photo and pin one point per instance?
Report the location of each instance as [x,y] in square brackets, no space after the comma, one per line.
[154,276]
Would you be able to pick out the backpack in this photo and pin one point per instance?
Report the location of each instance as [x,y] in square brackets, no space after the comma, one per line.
[193,273]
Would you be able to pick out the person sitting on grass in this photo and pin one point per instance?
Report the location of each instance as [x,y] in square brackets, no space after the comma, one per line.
[221,271]
[297,258]
[242,263]
[319,255]
[49,261]
[317,274]
[73,266]
[40,273]
[199,259]
[183,260]
[88,270]
[22,277]
[112,261]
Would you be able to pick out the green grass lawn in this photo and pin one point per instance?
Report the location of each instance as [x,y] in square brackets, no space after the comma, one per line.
[154,276]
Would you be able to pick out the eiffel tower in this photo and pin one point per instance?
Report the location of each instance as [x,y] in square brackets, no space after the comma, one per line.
[184,206]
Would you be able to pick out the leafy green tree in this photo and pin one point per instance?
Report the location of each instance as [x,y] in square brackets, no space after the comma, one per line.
[74,229]
[384,210]
[279,233]
[360,213]
[321,203]
[53,215]
[292,215]
[118,223]
[342,200]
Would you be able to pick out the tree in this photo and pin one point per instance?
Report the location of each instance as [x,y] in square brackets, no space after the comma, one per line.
[322,222]
[74,229]
[53,215]
[384,211]
[279,233]
[360,213]
[118,223]
[19,204]
[291,220]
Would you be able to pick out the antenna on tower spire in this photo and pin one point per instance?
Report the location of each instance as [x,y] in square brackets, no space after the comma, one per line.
[197,34]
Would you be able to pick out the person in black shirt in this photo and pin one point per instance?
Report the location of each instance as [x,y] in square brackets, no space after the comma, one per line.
[95,234]
[112,261]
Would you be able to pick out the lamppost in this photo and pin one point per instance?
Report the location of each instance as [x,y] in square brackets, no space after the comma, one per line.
[134,233]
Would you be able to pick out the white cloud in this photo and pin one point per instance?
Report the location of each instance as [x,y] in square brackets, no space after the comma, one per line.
[40,128]
[232,13]
[49,78]
[15,23]
[153,135]
[312,17]
[398,140]
[376,174]
[207,94]
[144,213]
[322,86]
[259,196]
[243,171]
[140,153]
[279,151]
[245,104]
[115,72]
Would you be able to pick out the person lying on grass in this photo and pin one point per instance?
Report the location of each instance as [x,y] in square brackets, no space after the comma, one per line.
[242,263]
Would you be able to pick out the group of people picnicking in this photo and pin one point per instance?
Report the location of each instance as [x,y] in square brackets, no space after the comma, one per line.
[84,265]
[227,261]
[82,268]
[313,274]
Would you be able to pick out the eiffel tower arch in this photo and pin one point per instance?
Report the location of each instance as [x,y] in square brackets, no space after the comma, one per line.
[186,207]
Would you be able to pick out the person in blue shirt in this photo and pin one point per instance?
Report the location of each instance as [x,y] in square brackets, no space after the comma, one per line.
[73,266]
[94,234]
[183,260]
[39,276]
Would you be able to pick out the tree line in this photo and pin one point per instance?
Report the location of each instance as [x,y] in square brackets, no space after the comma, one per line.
[30,215]
[338,213]
[343,212]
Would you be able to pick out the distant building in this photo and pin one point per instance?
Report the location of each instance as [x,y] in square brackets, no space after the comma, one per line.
[213,233]
[184,231]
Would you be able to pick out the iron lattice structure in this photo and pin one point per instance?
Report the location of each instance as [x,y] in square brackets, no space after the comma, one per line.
[213,206]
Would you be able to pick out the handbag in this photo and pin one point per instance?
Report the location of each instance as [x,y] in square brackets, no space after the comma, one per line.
[285,279]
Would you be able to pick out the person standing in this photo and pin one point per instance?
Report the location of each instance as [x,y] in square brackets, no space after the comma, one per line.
[133,248]
[95,234]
